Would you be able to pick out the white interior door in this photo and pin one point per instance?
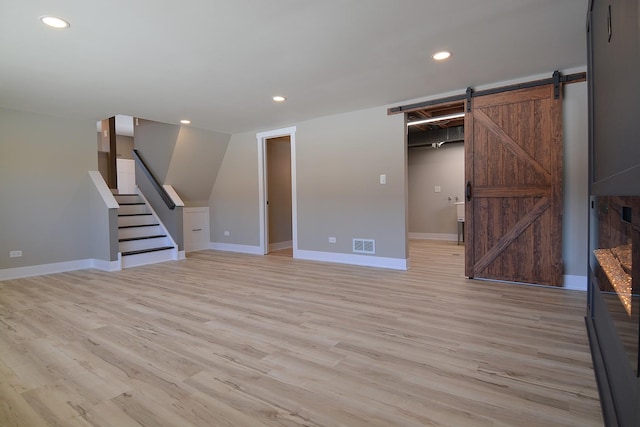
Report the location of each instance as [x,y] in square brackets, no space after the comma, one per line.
[126,171]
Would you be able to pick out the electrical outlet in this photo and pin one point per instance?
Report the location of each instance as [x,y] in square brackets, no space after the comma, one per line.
[15,254]
[332,239]
[226,233]
[437,189]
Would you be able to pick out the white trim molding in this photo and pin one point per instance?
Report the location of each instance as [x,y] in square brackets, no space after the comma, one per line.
[173,195]
[261,137]
[576,283]
[58,267]
[107,265]
[354,259]
[232,247]
[102,188]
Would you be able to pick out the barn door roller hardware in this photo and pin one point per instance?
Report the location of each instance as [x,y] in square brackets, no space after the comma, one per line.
[556,84]
[557,80]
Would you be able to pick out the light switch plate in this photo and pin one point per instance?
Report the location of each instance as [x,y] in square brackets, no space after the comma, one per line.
[437,189]
[383,179]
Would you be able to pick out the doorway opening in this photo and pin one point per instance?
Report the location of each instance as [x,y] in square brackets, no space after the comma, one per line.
[115,153]
[436,177]
[513,171]
[277,192]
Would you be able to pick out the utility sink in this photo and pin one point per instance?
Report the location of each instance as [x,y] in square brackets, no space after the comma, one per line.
[460,211]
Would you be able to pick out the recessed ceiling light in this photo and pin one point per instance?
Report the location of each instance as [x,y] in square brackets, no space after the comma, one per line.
[441,56]
[279,98]
[54,22]
[185,122]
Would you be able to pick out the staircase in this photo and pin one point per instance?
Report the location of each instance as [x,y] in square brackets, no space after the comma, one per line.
[142,238]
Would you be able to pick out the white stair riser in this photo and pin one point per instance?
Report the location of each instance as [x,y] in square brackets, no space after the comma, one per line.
[132,209]
[149,258]
[125,233]
[150,230]
[135,245]
[136,220]
[133,198]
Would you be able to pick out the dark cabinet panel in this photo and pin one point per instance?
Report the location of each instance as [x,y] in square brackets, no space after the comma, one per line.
[614,71]
[614,141]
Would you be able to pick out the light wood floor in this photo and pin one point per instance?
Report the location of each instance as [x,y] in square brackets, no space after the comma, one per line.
[225,339]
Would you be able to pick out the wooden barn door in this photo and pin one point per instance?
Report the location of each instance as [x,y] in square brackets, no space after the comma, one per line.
[513,149]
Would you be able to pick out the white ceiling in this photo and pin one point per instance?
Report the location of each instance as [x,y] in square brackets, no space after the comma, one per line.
[219,62]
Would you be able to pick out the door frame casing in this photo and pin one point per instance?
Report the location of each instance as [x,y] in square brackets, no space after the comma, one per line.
[262,138]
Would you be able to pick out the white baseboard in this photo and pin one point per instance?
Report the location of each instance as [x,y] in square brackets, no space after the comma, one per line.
[280,245]
[354,259]
[58,267]
[576,283]
[149,258]
[434,236]
[232,247]
[107,265]
[182,255]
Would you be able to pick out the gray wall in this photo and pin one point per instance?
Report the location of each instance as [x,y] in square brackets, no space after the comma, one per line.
[172,219]
[576,178]
[156,142]
[103,226]
[195,163]
[338,163]
[124,146]
[233,205]
[184,157]
[44,188]
[576,200]
[278,152]
[45,191]
[431,212]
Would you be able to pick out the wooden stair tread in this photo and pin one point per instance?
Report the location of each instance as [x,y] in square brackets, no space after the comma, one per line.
[136,214]
[144,251]
[132,203]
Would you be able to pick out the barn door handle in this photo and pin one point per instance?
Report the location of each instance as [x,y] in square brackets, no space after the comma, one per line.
[469,191]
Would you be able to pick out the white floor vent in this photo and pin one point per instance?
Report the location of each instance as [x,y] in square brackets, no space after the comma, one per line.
[364,246]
